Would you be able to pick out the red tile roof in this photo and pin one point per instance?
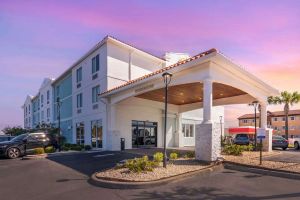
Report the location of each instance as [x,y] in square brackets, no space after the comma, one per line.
[272,114]
[162,70]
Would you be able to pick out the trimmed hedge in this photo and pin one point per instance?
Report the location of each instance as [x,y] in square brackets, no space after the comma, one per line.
[38,151]
[50,149]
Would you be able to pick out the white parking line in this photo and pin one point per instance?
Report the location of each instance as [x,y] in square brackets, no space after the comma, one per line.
[103,155]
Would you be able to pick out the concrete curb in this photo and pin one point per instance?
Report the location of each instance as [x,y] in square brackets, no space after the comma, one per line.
[261,170]
[147,184]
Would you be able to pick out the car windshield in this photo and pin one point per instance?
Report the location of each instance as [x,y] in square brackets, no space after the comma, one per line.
[20,137]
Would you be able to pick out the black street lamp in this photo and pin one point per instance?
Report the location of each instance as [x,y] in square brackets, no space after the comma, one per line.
[167,79]
[221,121]
[58,104]
[255,104]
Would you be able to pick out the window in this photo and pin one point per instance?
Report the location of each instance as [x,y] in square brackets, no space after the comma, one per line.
[42,115]
[48,96]
[95,64]
[188,130]
[42,100]
[57,91]
[293,128]
[26,110]
[283,119]
[292,118]
[275,119]
[80,133]
[95,92]
[275,128]
[48,112]
[79,100]
[79,75]
[253,120]
[245,121]
[283,127]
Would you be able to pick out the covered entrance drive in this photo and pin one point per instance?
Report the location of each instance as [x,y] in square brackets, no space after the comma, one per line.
[203,81]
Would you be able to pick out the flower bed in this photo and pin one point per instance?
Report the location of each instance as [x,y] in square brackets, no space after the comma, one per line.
[175,167]
[252,158]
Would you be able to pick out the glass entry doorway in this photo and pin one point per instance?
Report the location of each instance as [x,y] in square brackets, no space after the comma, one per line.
[96,134]
[144,134]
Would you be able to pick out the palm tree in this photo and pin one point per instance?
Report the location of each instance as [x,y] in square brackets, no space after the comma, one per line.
[288,99]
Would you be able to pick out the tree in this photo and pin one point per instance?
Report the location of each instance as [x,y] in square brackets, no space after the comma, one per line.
[14,131]
[288,99]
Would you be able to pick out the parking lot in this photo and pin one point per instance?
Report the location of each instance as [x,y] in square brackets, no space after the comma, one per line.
[67,177]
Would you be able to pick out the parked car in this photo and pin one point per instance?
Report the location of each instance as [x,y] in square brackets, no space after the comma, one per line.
[241,139]
[23,144]
[279,142]
[296,143]
[4,138]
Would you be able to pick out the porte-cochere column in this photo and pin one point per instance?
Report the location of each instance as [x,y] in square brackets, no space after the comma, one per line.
[208,134]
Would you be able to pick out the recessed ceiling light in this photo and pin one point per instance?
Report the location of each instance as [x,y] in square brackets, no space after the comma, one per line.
[181,93]
[221,94]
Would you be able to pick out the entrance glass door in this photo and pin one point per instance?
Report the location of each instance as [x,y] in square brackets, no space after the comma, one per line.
[96,133]
[144,134]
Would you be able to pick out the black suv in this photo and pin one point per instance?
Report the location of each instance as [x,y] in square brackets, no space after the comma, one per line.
[24,143]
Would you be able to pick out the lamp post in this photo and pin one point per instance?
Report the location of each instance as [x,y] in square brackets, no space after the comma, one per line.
[167,79]
[221,121]
[58,104]
[255,104]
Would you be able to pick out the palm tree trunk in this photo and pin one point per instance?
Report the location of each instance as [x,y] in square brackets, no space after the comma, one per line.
[286,112]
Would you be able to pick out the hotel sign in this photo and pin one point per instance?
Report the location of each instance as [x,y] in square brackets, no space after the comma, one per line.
[143,88]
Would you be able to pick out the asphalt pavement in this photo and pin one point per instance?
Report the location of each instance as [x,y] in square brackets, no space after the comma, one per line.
[66,177]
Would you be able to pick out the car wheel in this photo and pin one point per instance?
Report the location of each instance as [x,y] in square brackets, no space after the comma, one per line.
[296,145]
[284,148]
[13,153]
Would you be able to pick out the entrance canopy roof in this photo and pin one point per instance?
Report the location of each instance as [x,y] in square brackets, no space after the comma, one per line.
[231,83]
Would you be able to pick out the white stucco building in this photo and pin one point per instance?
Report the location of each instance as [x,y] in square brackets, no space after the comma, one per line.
[116,91]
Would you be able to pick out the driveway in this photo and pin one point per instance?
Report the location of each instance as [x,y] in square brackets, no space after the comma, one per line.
[290,155]
[66,177]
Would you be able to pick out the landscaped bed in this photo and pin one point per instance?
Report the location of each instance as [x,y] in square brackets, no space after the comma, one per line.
[252,158]
[145,169]
[176,167]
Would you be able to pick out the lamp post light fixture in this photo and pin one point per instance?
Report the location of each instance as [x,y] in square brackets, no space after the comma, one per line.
[167,79]
[255,104]
[58,104]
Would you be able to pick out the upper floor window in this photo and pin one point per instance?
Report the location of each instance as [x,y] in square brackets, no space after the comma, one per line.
[283,119]
[48,96]
[245,121]
[292,118]
[95,64]
[275,119]
[79,75]
[57,91]
[188,130]
[79,100]
[26,110]
[95,92]
[42,99]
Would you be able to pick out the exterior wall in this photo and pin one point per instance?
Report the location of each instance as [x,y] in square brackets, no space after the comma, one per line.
[46,104]
[249,122]
[35,111]
[63,90]
[27,110]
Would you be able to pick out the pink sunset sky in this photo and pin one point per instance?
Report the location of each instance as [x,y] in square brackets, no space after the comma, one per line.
[42,38]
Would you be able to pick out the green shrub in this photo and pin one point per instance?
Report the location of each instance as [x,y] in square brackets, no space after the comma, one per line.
[138,165]
[190,154]
[67,145]
[249,147]
[65,148]
[158,157]
[38,151]
[87,147]
[173,156]
[233,149]
[76,147]
[50,149]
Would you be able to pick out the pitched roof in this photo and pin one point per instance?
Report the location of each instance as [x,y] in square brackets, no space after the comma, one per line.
[200,55]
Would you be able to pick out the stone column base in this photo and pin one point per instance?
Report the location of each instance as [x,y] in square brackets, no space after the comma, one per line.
[208,142]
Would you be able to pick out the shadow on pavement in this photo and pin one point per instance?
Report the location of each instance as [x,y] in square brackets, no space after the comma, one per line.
[204,193]
[89,163]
